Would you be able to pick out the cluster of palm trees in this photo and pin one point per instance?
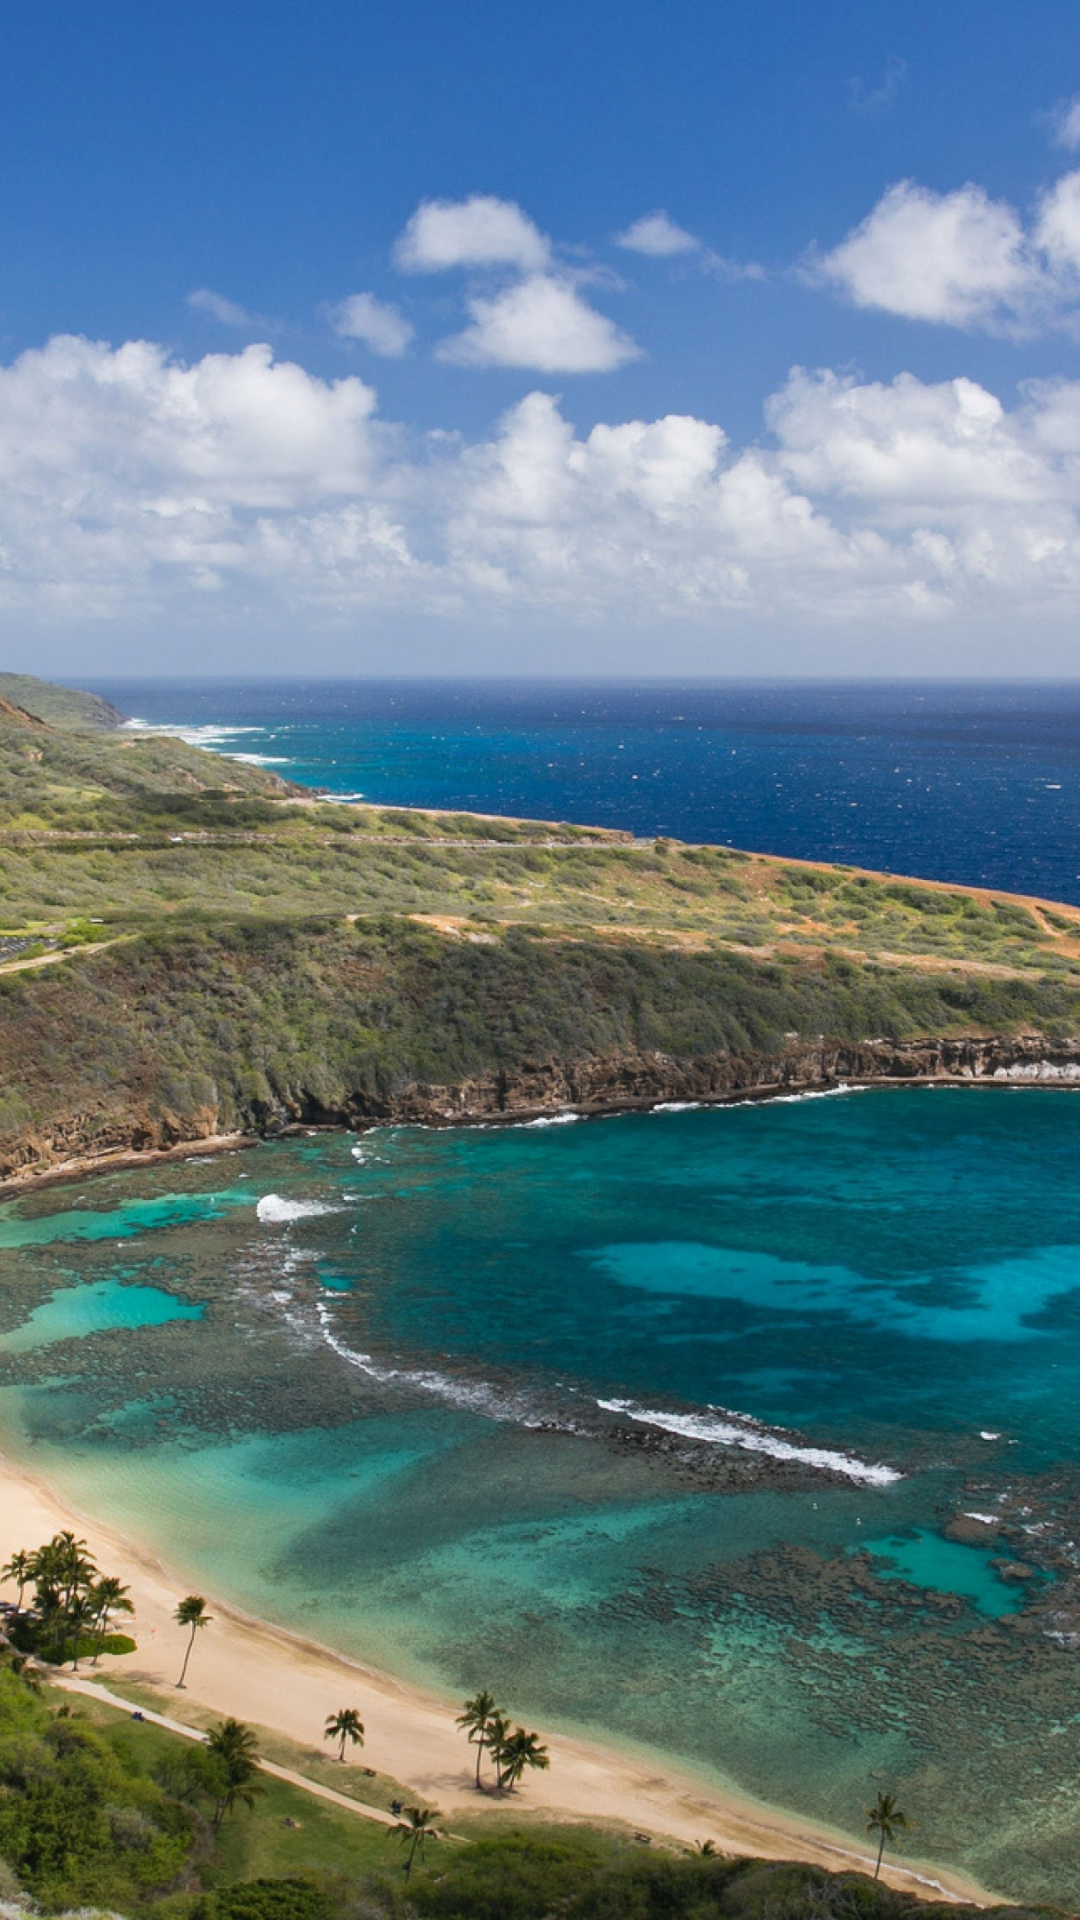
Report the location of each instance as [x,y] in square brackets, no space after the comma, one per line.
[510,1749]
[73,1605]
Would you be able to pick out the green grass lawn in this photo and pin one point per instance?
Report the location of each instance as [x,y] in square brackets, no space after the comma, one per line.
[315,1763]
[288,1831]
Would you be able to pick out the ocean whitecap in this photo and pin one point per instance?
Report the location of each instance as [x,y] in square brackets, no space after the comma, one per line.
[277,1212]
[717,1427]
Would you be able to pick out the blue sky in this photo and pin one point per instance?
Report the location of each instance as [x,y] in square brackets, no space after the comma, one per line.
[455,443]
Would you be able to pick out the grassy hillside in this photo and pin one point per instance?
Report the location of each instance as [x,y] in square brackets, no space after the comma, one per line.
[188,945]
[63,707]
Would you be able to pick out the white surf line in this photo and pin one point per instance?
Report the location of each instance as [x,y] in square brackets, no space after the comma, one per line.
[718,1428]
[95,1690]
[475,1397]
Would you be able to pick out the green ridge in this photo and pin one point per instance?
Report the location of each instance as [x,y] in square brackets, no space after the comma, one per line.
[189,944]
[65,707]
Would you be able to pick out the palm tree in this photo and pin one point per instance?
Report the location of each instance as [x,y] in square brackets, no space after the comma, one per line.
[50,1611]
[20,1570]
[109,1596]
[475,1719]
[76,1615]
[74,1565]
[415,1828]
[495,1739]
[191,1613]
[519,1751]
[46,1572]
[707,1848]
[236,1752]
[344,1725]
[886,1820]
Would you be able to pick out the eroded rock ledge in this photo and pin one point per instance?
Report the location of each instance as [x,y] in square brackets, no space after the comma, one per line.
[595,1084]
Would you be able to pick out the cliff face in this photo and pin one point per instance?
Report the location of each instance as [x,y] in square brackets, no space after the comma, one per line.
[593,1084]
[617,1082]
[187,1033]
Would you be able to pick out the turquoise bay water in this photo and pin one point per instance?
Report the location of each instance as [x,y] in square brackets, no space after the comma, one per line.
[73,1312]
[746,1436]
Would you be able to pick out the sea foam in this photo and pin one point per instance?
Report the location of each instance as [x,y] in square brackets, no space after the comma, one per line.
[720,1428]
[194,736]
[273,1209]
[475,1395]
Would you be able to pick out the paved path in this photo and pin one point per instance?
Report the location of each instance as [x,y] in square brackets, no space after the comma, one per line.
[71,1683]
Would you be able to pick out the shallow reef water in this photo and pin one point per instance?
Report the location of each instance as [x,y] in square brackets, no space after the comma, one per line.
[746,1436]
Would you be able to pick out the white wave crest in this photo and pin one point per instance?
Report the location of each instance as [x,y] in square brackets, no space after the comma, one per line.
[475,1395]
[278,1212]
[195,736]
[721,1428]
[677,1106]
[814,1093]
[551,1120]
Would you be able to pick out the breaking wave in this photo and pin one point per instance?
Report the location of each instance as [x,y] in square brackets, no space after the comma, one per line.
[195,736]
[278,1212]
[723,1429]
[477,1396]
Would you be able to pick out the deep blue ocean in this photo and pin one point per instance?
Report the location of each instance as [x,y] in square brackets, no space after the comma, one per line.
[978,784]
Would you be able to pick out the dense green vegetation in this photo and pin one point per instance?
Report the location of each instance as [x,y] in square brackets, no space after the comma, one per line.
[258,1022]
[76,1824]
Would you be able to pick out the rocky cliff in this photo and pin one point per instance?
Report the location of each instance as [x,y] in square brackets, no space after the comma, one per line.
[592,1084]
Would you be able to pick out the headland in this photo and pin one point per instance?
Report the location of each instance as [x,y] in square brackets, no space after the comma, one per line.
[192,948]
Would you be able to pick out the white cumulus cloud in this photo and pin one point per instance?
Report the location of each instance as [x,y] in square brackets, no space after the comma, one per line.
[958,257]
[542,323]
[381,326]
[658,235]
[479,232]
[247,492]
[961,259]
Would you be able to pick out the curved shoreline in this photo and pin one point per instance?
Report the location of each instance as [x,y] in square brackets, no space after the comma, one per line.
[123,1159]
[272,1677]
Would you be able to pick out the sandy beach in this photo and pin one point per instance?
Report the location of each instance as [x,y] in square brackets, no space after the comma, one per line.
[257,1672]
